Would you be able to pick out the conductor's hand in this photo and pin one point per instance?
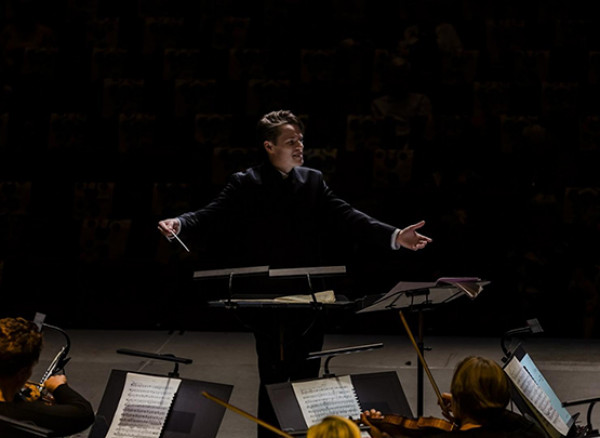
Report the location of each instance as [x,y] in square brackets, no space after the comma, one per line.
[411,239]
[169,226]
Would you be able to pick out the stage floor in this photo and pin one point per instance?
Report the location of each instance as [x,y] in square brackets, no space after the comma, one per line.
[571,366]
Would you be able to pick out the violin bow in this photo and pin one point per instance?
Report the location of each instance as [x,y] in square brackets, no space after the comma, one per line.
[247,415]
[425,367]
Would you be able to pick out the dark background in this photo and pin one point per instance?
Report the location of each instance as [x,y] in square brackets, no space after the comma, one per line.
[115,114]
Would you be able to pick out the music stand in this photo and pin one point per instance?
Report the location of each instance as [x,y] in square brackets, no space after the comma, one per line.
[423,296]
[536,399]
[230,273]
[264,299]
[9,427]
[315,301]
[330,354]
[189,415]
[381,391]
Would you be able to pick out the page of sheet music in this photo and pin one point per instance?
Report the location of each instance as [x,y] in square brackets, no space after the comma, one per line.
[531,387]
[329,396]
[143,407]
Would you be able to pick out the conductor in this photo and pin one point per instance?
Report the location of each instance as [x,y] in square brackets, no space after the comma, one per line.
[277,213]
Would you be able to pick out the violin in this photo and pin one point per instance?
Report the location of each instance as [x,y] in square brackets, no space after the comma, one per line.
[398,426]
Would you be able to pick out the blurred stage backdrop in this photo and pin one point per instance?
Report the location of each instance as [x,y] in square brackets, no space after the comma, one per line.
[480,117]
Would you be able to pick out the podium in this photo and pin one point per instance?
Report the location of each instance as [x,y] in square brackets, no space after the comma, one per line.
[425,296]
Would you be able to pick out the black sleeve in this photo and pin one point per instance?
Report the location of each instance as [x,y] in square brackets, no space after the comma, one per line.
[224,205]
[70,413]
[358,224]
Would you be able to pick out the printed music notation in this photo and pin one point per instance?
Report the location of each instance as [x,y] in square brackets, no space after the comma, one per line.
[328,396]
[530,382]
[144,405]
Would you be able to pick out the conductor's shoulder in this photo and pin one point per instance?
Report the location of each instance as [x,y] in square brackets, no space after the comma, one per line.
[252,174]
[308,171]
[308,174]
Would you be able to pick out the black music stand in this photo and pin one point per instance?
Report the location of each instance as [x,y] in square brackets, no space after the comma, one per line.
[277,300]
[264,299]
[536,399]
[189,416]
[11,428]
[424,296]
[381,391]
[334,352]
[230,274]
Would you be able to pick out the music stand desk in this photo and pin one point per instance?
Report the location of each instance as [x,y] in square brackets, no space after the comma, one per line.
[191,415]
[418,295]
[270,303]
[381,391]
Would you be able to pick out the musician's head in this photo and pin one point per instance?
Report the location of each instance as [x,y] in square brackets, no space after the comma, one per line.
[20,347]
[281,135]
[479,389]
[334,426]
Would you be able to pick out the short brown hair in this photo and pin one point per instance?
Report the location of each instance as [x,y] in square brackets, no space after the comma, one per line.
[20,345]
[268,126]
[479,387]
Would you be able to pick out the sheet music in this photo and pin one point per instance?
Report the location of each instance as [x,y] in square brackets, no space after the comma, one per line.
[330,396]
[535,389]
[143,407]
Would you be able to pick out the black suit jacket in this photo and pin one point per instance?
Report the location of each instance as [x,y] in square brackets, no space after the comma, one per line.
[282,223]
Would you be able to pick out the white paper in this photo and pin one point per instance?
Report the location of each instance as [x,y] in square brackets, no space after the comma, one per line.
[534,387]
[329,396]
[143,407]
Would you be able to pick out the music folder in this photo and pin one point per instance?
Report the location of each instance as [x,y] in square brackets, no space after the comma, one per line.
[381,391]
[190,415]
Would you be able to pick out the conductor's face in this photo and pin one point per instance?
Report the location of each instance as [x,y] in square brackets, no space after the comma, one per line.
[287,152]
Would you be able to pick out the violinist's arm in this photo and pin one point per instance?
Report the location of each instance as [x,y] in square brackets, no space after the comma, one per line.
[447,407]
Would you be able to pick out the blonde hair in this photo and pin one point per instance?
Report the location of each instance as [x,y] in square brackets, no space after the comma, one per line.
[334,426]
[479,388]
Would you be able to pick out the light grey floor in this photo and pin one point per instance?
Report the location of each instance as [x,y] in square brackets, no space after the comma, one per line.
[571,366]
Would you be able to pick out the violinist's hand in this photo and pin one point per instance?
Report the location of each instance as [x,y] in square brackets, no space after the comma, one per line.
[376,415]
[365,418]
[447,406]
[55,381]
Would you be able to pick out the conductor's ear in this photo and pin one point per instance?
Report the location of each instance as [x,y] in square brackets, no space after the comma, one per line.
[268,146]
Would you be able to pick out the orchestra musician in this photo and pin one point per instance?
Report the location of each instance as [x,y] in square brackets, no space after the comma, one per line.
[66,413]
[478,400]
[280,214]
